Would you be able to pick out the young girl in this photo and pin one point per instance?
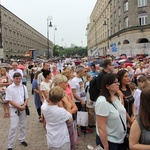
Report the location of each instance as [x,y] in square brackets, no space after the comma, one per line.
[56,117]
[4,82]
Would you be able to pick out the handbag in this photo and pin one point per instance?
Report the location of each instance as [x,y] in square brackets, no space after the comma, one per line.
[27,108]
[126,138]
[2,97]
[82,118]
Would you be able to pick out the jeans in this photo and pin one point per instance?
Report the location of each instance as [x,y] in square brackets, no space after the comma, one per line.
[112,146]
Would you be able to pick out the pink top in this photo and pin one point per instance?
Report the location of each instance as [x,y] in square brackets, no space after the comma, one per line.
[68,91]
[54,73]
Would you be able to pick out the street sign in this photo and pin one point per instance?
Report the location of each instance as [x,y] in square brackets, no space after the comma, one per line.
[113,47]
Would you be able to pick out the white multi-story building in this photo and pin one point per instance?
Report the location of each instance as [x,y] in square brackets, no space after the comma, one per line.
[17,37]
[119,27]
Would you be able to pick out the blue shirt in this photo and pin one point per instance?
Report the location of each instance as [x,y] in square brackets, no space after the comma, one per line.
[93,73]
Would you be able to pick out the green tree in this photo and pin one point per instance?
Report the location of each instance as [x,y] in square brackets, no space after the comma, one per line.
[55,50]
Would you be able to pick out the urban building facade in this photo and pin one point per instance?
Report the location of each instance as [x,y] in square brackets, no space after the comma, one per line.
[17,37]
[119,27]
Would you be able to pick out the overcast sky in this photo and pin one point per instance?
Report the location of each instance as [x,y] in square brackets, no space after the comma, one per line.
[70,17]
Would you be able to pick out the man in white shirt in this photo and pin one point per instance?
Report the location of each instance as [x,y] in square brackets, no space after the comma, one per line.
[40,78]
[14,70]
[17,96]
[77,86]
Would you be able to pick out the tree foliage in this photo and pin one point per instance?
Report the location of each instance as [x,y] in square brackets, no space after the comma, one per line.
[71,51]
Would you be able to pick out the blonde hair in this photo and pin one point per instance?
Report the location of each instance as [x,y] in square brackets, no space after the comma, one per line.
[88,76]
[146,84]
[59,78]
[67,73]
[56,94]
[3,69]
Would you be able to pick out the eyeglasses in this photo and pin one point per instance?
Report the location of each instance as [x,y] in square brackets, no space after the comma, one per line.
[127,76]
[111,64]
[116,82]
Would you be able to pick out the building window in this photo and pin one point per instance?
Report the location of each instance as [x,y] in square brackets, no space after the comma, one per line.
[126,22]
[119,12]
[5,18]
[142,3]
[111,7]
[10,33]
[126,8]
[14,36]
[119,26]
[115,15]
[115,28]
[14,23]
[143,19]
[5,29]
[114,3]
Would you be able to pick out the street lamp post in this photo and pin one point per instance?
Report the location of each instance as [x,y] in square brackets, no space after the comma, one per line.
[49,24]
[55,28]
[106,23]
[95,32]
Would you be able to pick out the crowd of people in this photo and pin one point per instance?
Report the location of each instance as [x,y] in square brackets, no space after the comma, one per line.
[120,112]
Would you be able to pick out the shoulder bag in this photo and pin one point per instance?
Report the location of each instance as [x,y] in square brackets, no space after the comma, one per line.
[27,108]
[126,138]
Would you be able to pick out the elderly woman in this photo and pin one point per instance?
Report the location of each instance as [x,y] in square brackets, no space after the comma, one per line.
[140,130]
[62,81]
[69,74]
[110,116]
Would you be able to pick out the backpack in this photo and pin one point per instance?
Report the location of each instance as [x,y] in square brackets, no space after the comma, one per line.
[93,91]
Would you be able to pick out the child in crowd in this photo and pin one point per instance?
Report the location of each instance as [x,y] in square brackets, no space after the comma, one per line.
[56,117]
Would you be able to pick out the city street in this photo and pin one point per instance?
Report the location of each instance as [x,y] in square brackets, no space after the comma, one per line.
[36,138]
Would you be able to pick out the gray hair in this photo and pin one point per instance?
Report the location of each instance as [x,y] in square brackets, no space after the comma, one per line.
[79,68]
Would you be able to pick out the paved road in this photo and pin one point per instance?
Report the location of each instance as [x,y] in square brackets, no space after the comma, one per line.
[35,132]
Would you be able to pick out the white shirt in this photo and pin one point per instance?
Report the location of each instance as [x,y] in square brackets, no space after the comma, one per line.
[88,101]
[138,70]
[45,87]
[114,127]
[57,131]
[78,85]
[136,96]
[16,93]
[40,78]
[12,71]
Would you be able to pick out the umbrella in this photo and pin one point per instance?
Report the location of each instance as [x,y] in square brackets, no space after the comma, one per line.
[128,64]
[6,65]
[78,62]
[116,64]
[21,67]
[122,60]
[99,61]
[128,61]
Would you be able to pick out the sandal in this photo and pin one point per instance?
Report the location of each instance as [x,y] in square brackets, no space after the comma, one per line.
[40,119]
[5,115]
